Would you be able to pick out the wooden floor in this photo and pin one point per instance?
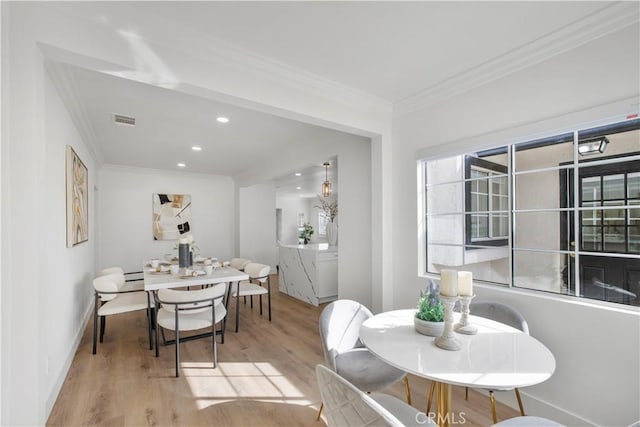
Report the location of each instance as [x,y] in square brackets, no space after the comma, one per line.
[265,376]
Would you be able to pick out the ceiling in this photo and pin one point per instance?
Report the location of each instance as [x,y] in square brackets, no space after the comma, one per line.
[391,50]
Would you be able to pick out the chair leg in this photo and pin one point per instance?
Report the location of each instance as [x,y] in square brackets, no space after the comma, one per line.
[149,322]
[260,305]
[320,411]
[237,306]
[103,325]
[155,323]
[432,389]
[517,390]
[215,349]
[95,324]
[466,393]
[492,398]
[407,390]
[251,298]
[269,296]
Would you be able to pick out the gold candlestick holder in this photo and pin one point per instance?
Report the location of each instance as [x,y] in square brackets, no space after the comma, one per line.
[447,340]
[464,327]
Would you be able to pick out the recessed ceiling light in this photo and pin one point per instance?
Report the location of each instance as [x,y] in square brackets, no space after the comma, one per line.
[298,188]
[196,148]
[181,165]
[298,174]
[222,119]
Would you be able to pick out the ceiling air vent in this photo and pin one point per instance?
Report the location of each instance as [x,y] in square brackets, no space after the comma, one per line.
[119,119]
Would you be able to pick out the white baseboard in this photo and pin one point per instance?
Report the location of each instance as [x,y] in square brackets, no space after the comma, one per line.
[541,408]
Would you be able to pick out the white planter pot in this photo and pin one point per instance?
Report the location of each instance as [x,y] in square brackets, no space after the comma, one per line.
[332,233]
[433,329]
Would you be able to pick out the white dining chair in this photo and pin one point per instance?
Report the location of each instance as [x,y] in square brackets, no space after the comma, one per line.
[132,279]
[112,295]
[339,327]
[527,421]
[239,263]
[347,405]
[184,310]
[259,284]
[509,316]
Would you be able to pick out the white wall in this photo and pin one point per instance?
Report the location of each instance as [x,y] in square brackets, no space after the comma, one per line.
[124,234]
[257,218]
[596,348]
[46,288]
[68,292]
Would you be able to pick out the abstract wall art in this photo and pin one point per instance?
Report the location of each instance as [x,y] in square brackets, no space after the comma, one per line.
[77,199]
[171,216]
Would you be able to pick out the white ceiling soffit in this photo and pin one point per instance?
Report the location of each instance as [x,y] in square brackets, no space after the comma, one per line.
[409,53]
[604,21]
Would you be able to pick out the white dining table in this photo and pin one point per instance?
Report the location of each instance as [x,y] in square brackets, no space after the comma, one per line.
[497,357]
[154,280]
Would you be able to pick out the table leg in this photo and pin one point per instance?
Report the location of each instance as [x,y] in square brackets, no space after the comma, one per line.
[443,405]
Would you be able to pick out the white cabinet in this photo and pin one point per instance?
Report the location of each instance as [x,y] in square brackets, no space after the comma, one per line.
[309,272]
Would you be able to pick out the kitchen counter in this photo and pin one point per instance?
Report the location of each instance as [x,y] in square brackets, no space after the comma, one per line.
[309,272]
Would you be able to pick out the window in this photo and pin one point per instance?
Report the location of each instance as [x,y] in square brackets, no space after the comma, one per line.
[486,203]
[322,223]
[508,214]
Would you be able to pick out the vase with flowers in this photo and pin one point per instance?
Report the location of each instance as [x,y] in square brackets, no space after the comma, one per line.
[186,247]
[329,207]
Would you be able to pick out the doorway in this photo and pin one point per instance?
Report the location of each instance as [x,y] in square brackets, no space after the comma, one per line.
[608,228]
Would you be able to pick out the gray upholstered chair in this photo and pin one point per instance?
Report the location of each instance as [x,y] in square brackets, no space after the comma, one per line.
[344,354]
[527,421]
[509,316]
[346,405]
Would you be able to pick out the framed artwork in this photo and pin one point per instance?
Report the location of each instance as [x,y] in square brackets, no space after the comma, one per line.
[77,179]
[171,216]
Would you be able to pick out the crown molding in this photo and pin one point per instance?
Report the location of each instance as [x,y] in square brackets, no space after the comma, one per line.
[178,37]
[67,89]
[607,20]
[167,33]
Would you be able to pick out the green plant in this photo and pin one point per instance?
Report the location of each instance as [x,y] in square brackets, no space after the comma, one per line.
[306,232]
[430,308]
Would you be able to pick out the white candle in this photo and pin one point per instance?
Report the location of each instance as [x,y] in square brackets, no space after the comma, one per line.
[449,283]
[465,283]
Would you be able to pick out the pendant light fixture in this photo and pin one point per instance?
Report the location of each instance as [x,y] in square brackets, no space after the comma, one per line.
[326,185]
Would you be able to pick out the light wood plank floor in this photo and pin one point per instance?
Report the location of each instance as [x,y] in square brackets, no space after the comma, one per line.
[265,376]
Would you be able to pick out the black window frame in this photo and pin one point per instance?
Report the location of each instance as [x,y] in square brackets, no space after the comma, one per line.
[470,161]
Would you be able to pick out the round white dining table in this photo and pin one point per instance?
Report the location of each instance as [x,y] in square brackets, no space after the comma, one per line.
[497,357]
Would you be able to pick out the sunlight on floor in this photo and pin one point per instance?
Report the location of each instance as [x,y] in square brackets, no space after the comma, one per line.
[240,380]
